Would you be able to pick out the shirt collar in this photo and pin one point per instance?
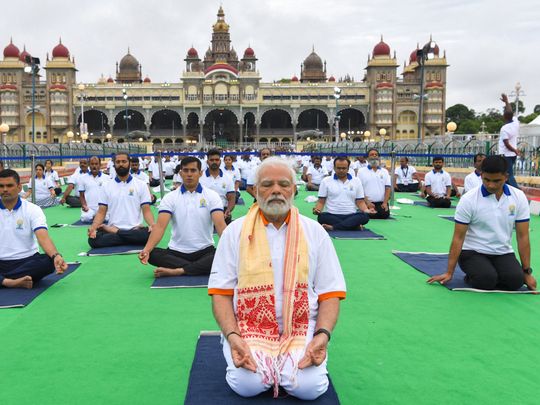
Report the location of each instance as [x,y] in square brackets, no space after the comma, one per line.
[16,207]
[477,173]
[198,189]
[266,221]
[369,167]
[137,172]
[349,177]
[435,172]
[486,193]
[81,172]
[130,177]
[207,172]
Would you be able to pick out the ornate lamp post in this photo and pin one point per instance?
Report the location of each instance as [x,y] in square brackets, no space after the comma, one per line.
[4,129]
[337,95]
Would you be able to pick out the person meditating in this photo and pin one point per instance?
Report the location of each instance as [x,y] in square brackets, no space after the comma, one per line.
[276,285]
[220,181]
[126,200]
[45,194]
[438,185]
[315,174]
[90,186]
[194,211]
[23,227]
[474,179]
[482,243]
[135,170]
[74,201]
[377,186]
[52,175]
[406,177]
[343,197]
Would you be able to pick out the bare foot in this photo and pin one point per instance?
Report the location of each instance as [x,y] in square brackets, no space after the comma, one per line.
[360,227]
[166,272]
[328,227]
[108,228]
[23,282]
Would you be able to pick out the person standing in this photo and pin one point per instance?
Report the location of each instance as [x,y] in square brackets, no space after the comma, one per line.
[508,139]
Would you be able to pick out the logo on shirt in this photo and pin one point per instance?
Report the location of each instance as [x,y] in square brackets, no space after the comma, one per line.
[20,223]
[223,186]
[202,203]
[512,210]
[131,191]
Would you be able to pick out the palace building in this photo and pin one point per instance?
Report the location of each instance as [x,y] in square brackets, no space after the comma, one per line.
[221,98]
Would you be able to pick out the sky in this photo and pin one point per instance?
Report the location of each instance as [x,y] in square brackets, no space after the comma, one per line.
[490,45]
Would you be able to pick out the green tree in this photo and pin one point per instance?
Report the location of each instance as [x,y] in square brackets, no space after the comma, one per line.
[468,126]
[525,119]
[458,113]
[521,106]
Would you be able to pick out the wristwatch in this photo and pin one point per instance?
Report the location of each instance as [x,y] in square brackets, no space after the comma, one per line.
[56,254]
[325,331]
[528,271]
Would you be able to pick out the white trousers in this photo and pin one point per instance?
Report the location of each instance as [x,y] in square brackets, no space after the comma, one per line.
[89,215]
[311,382]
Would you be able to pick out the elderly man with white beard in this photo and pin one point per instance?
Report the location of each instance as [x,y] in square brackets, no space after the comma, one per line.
[276,285]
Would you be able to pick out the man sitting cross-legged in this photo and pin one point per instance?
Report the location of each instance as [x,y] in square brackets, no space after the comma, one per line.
[90,189]
[126,200]
[74,201]
[21,265]
[194,211]
[315,174]
[438,185]
[377,186]
[406,177]
[343,197]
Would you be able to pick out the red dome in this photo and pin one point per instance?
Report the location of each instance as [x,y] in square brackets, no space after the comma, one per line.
[60,51]
[147,80]
[23,55]
[11,51]
[412,58]
[192,53]
[110,80]
[381,49]
[249,52]
[294,79]
[331,79]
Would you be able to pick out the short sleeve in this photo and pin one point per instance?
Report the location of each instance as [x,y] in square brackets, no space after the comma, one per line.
[167,204]
[214,202]
[224,274]
[387,182]
[230,184]
[523,212]
[251,178]
[412,169]
[448,180]
[323,189]
[104,198]
[328,281]
[73,178]
[144,193]
[427,179]
[359,190]
[464,211]
[49,183]
[37,218]
[504,134]
[81,185]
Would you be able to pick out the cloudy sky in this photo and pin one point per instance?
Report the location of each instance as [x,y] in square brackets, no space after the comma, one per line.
[490,45]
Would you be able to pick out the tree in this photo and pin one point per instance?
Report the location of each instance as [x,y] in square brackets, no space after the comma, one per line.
[528,118]
[468,126]
[537,108]
[521,106]
[459,113]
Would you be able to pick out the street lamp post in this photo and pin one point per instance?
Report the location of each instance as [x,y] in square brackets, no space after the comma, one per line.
[82,97]
[70,135]
[4,129]
[109,137]
[126,116]
[337,95]
[422,55]
[517,92]
[33,67]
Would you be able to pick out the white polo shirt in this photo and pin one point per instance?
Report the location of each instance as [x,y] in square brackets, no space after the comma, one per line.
[18,226]
[491,222]
[52,175]
[509,131]
[142,176]
[245,168]
[374,182]
[325,278]
[234,173]
[177,178]
[43,187]
[153,167]
[438,181]
[222,184]
[191,217]
[168,168]
[357,165]
[341,196]
[472,180]
[251,177]
[404,175]
[74,180]
[328,165]
[91,187]
[124,200]
[317,174]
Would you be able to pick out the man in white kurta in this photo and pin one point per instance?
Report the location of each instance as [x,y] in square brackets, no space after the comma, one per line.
[304,373]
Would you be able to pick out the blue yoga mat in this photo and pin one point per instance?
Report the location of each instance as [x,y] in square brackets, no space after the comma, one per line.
[207,383]
[181,282]
[20,297]
[113,250]
[81,223]
[447,217]
[425,204]
[433,264]
[365,234]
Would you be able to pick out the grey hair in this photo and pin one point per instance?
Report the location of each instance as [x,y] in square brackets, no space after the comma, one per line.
[275,161]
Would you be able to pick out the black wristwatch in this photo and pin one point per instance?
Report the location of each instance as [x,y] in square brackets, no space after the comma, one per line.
[56,254]
[322,330]
[527,271]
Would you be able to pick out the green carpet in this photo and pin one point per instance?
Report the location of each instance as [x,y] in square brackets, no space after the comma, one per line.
[102,336]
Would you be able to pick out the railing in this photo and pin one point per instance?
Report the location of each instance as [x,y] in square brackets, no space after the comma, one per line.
[19,154]
[463,147]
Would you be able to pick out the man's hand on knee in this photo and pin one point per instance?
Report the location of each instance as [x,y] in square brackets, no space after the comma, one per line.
[315,352]
[241,354]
